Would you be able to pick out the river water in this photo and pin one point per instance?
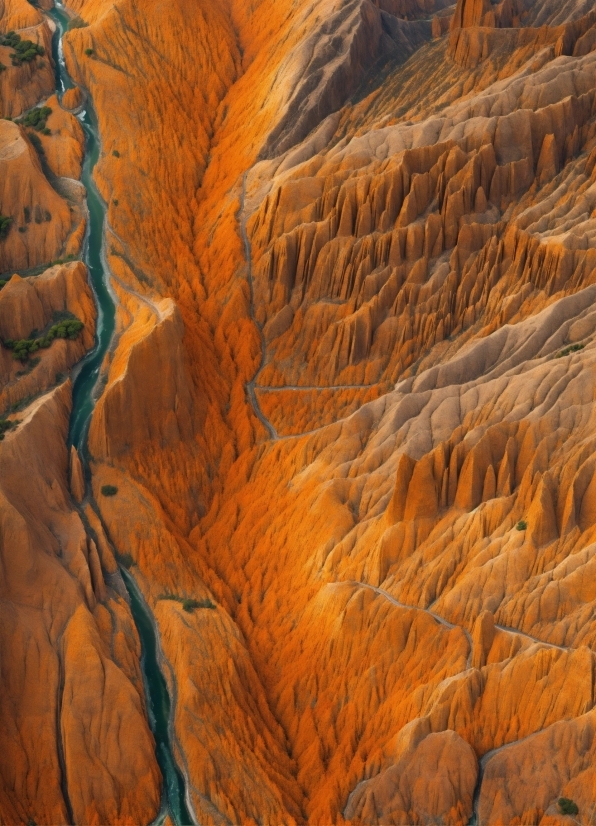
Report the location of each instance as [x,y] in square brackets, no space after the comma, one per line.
[156,692]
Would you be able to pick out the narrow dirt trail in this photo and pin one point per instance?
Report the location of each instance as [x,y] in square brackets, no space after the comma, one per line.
[250,386]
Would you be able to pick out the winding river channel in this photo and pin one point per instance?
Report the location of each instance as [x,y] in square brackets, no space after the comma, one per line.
[84,397]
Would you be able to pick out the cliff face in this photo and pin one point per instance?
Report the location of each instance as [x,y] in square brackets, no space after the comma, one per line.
[349,401]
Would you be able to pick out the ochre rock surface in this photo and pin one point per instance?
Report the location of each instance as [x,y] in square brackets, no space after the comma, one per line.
[72,98]
[434,778]
[28,304]
[63,149]
[60,671]
[350,401]
[22,87]
[41,218]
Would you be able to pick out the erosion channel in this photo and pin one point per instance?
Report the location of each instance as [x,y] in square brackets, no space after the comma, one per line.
[84,397]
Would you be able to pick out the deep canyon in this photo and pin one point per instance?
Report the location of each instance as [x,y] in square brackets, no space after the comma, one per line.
[297,412]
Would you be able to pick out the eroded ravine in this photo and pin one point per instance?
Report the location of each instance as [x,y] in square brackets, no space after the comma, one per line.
[85,392]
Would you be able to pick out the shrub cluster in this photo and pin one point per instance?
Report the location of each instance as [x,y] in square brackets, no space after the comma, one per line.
[36,119]
[573,348]
[5,223]
[109,490]
[24,50]
[568,807]
[189,605]
[522,525]
[21,350]
[5,425]
[77,23]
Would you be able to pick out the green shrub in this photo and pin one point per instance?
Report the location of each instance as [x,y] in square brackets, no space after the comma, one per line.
[24,50]
[573,348]
[22,229]
[31,364]
[76,23]
[2,67]
[88,52]
[3,284]
[6,425]
[521,525]
[115,153]
[27,212]
[68,328]
[22,403]
[568,807]
[115,201]
[188,604]
[10,39]
[5,223]
[36,119]
[109,490]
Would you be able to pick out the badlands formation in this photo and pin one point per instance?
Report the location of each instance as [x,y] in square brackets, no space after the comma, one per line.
[344,434]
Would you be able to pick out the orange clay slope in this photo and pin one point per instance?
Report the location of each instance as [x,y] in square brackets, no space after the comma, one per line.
[76,743]
[351,398]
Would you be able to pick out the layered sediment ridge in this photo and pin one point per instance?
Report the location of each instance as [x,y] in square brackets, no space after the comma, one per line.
[349,407]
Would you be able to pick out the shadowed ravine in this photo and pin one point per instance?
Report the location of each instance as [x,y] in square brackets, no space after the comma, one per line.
[84,398]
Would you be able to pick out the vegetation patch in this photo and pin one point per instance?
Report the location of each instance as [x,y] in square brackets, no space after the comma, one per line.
[573,348]
[115,153]
[36,119]
[125,560]
[189,605]
[21,404]
[88,52]
[567,806]
[31,364]
[5,426]
[109,490]
[5,223]
[68,328]
[521,525]
[24,50]
[77,23]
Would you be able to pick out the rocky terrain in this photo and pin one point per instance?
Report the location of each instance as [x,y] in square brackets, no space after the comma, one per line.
[342,437]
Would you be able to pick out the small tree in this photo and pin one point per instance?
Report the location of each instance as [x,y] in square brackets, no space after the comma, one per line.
[567,806]
[5,223]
